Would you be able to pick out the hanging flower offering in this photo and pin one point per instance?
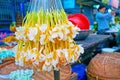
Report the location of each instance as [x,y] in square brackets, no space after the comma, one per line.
[46,37]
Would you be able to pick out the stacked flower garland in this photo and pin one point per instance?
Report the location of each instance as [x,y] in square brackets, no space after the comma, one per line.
[46,40]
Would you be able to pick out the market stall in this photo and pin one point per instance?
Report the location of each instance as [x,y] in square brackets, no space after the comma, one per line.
[49,45]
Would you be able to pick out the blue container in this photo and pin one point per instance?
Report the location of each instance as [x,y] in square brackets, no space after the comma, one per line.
[80,70]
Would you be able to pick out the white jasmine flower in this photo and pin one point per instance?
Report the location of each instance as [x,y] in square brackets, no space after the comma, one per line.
[19,33]
[44,67]
[60,35]
[23,53]
[73,59]
[34,56]
[19,28]
[56,28]
[57,32]
[42,57]
[27,56]
[65,53]
[32,33]
[47,62]
[50,55]
[70,23]
[71,45]
[19,61]
[54,63]
[51,39]
[54,35]
[43,28]
[58,52]
[67,31]
[36,62]
[31,55]
[47,68]
[75,31]
[81,49]
[64,38]
[70,40]
[42,39]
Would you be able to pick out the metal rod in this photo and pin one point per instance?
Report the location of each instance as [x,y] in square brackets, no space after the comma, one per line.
[56,74]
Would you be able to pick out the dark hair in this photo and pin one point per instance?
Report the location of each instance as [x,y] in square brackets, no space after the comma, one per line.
[100,7]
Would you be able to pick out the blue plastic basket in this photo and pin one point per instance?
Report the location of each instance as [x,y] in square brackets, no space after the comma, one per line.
[80,70]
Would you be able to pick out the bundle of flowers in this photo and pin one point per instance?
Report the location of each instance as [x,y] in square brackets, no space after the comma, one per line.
[46,40]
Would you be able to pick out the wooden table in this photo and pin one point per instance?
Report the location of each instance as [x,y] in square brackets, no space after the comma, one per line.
[90,43]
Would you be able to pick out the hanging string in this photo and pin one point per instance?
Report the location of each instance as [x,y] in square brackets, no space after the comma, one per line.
[46,5]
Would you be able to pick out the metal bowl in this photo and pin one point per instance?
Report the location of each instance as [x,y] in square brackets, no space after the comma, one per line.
[82,35]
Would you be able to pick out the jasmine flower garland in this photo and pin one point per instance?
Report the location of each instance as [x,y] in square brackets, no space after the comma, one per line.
[46,41]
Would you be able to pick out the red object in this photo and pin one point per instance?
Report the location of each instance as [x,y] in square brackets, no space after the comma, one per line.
[80,20]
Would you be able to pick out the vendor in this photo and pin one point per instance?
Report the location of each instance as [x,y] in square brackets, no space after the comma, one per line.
[103,19]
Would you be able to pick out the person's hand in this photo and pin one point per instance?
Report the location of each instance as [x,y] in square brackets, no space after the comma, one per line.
[113,12]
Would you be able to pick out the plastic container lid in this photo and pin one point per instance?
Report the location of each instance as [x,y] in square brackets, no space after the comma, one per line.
[80,20]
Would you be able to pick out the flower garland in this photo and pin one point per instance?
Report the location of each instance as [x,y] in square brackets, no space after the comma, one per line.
[46,41]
